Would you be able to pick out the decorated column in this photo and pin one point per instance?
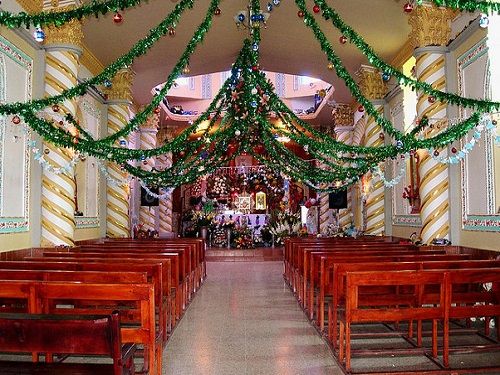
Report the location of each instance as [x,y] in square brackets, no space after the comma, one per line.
[63,47]
[343,118]
[166,204]
[374,89]
[430,33]
[117,204]
[147,215]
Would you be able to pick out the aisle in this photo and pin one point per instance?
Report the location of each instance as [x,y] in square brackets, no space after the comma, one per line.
[245,321]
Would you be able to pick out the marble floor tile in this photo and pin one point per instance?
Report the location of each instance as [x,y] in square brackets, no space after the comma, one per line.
[245,321]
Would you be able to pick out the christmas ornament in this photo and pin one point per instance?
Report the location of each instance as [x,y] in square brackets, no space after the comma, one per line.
[436,153]
[322,93]
[269,7]
[237,133]
[276,2]
[343,39]
[386,77]
[454,150]
[55,108]
[484,21]
[255,46]
[330,66]
[117,18]
[381,136]
[157,110]
[316,8]
[107,83]
[431,99]
[361,108]
[186,70]
[39,35]
[300,14]
[46,151]
[217,11]
[408,7]
[241,17]
[16,120]
[171,31]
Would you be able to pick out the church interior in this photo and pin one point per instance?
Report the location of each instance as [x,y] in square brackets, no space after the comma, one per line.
[249,187]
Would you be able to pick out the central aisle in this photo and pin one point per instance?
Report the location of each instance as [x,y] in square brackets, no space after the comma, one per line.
[244,320]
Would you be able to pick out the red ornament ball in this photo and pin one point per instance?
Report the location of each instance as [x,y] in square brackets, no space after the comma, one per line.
[217,11]
[300,14]
[182,153]
[381,136]
[316,8]
[55,108]
[431,99]
[343,39]
[16,120]
[255,68]
[454,150]
[361,108]
[408,7]
[157,110]
[117,18]
[171,31]
[436,153]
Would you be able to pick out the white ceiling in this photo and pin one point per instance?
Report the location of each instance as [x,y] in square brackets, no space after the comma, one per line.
[287,44]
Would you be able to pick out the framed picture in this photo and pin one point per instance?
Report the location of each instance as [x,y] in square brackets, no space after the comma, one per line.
[260,200]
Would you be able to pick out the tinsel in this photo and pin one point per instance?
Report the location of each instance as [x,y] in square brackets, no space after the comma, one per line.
[95,8]
[241,118]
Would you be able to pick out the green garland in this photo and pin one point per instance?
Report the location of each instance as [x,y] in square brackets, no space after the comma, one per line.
[58,19]
[469,5]
[377,62]
[139,49]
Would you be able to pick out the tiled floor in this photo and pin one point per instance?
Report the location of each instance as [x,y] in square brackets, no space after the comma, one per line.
[244,320]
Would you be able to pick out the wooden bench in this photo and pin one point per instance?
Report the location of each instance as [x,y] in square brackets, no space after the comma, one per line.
[389,307]
[177,275]
[134,301]
[81,335]
[335,285]
[437,295]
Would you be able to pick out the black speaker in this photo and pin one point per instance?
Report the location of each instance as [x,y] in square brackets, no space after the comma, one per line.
[149,200]
[338,199]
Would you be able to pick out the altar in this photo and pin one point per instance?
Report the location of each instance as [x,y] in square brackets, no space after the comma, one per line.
[255,221]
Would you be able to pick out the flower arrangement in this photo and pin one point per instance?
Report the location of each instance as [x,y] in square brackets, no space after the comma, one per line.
[284,224]
[242,237]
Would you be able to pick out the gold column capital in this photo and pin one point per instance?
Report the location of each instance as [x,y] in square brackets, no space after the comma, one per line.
[342,115]
[121,86]
[371,83]
[69,33]
[430,25]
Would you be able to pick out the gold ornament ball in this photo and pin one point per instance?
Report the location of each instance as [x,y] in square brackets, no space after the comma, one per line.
[55,108]
[186,70]
[330,66]
[46,151]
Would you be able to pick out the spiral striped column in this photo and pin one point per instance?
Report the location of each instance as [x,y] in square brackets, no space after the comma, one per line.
[433,188]
[375,209]
[166,204]
[344,134]
[117,204]
[58,190]
[147,215]
[324,213]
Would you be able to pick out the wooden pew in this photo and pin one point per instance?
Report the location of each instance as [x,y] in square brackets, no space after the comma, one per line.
[390,307]
[319,277]
[335,286]
[312,260]
[158,273]
[460,294]
[43,297]
[82,335]
[177,275]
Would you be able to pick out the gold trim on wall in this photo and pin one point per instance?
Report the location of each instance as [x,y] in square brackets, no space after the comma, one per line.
[31,6]
[90,61]
[403,55]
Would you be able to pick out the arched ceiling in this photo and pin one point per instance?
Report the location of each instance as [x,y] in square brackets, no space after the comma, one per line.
[287,44]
